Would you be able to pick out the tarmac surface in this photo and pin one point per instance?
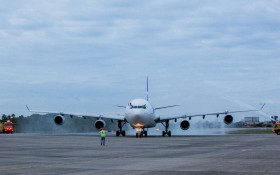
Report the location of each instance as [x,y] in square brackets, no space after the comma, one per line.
[82,154]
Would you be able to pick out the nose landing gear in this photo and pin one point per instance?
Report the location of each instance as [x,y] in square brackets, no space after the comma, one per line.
[139,135]
[146,133]
[166,125]
[141,132]
[120,125]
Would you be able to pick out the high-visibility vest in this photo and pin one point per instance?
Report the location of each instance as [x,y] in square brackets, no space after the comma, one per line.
[103,133]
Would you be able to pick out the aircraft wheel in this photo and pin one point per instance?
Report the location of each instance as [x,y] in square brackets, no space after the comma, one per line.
[123,133]
[163,133]
[169,133]
[141,134]
[278,132]
[136,135]
[117,133]
[145,133]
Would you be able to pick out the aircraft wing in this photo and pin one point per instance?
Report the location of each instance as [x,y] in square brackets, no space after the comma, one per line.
[163,107]
[113,117]
[160,119]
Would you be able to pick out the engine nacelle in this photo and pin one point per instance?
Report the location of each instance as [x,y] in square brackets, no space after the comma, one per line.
[59,119]
[100,124]
[185,125]
[228,119]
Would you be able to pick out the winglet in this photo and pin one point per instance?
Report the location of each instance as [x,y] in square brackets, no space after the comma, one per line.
[27,108]
[262,107]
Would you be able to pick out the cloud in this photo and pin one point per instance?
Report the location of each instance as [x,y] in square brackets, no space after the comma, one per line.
[50,51]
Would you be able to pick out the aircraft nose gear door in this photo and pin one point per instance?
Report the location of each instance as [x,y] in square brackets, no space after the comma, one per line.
[120,125]
[166,125]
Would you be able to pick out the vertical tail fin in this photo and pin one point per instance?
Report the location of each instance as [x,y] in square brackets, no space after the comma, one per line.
[147,89]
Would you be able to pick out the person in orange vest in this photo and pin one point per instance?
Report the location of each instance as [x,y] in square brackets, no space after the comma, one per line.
[103,136]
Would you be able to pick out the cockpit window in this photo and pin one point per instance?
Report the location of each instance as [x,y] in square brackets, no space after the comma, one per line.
[138,107]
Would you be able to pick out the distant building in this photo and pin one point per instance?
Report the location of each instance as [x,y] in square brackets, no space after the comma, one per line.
[251,119]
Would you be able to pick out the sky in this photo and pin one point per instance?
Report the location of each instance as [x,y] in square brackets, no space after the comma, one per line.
[89,56]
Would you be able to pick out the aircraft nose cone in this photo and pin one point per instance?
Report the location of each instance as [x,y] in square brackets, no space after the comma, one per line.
[137,117]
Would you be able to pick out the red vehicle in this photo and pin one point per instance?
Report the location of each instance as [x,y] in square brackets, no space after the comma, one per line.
[8,127]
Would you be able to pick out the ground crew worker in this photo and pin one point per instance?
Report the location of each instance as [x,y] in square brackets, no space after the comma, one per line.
[103,135]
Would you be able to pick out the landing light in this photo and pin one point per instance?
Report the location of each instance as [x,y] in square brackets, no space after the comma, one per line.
[138,125]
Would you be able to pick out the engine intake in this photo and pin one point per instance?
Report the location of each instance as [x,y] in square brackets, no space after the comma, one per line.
[228,119]
[59,119]
[100,124]
[185,125]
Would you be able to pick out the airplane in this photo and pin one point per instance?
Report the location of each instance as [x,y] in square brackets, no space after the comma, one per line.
[140,115]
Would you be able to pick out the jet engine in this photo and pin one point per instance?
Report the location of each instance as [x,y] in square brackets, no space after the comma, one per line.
[100,124]
[185,125]
[59,119]
[228,119]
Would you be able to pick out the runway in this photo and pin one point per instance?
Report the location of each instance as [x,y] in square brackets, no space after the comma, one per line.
[82,154]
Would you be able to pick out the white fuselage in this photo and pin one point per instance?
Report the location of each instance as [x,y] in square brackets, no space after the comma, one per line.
[140,114]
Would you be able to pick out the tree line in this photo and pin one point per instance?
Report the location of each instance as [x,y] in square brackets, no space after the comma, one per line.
[11,117]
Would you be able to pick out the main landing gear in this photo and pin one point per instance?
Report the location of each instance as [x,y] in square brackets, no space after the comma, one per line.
[166,125]
[120,125]
[141,132]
